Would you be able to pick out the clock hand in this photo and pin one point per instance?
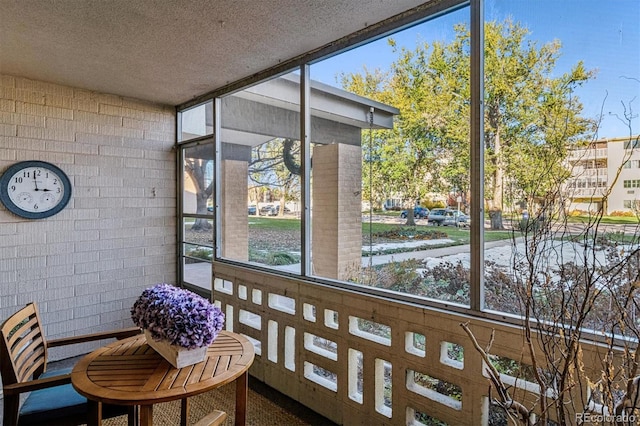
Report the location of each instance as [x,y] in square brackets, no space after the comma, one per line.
[35,181]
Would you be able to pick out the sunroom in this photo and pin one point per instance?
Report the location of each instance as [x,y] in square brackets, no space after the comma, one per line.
[246,152]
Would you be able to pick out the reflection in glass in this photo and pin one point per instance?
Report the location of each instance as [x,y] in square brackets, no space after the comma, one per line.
[196,122]
[197,195]
[197,252]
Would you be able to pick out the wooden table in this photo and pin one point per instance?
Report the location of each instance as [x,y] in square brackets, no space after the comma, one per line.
[129,372]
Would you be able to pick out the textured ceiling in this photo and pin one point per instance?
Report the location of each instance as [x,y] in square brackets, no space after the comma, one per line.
[170,51]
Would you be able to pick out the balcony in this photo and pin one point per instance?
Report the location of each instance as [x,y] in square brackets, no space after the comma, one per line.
[587,154]
[358,360]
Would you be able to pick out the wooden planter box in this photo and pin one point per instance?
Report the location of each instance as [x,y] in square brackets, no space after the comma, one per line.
[176,355]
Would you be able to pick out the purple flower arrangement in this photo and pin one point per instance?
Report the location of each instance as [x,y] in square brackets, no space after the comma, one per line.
[178,316]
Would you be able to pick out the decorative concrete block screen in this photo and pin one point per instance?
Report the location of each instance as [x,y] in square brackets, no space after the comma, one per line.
[357,359]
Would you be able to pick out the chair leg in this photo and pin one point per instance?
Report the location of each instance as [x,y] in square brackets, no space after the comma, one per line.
[11,407]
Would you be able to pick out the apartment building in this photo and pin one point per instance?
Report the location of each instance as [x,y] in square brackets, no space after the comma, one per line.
[606,174]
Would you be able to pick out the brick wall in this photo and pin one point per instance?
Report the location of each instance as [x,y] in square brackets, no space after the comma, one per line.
[86,265]
[336,200]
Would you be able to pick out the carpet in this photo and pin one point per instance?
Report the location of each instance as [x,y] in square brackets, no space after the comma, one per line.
[261,411]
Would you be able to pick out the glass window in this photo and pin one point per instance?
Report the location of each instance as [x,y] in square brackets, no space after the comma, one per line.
[197,188]
[389,186]
[196,122]
[548,80]
[260,171]
[197,230]
[390,162]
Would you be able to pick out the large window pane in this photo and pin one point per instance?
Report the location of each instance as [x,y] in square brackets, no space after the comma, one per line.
[261,193]
[385,159]
[561,96]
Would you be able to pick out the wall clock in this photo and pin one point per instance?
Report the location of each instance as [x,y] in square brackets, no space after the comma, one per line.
[34,189]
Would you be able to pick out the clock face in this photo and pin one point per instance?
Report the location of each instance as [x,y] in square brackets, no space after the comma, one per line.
[34,189]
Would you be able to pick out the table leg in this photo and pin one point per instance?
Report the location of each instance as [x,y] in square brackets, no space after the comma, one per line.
[133,416]
[94,415]
[242,393]
[146,415]
[184,411]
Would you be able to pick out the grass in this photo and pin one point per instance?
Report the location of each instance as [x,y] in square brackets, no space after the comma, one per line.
[458,235]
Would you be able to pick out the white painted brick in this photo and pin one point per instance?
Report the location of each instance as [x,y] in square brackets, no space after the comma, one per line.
[120,151]
[8,105]
[88,105]
[8,130]
[121,131]
[71,147]
[40,86]
[98,119]
[7,81]
[124,272]
[44,273]
[59,101]
[85,284]
[105,98]
[22,119]
[96,256]
[43,110]
[7,92]
[30,96]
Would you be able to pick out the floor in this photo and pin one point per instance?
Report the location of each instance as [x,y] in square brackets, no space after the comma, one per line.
[282,401]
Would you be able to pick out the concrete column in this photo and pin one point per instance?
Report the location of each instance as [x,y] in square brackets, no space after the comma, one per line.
[336,222]
[235,222]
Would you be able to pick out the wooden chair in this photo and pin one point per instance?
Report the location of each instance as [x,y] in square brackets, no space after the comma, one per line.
[23,360]
[215,418]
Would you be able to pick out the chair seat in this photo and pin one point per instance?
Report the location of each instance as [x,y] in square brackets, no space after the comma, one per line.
[55,402]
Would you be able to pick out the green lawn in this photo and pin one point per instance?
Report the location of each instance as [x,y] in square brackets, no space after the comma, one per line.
[458,235]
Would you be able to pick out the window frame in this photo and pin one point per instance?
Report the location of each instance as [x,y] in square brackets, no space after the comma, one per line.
[407,19]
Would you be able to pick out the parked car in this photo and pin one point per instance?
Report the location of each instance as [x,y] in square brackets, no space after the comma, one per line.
[448,217]
[455,218]
[436,216]
[252,210]
[269,210]
[418,213]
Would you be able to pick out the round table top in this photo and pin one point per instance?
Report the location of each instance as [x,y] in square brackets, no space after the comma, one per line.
[130,372]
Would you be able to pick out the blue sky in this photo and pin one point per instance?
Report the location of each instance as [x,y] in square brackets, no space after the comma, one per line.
[605,35]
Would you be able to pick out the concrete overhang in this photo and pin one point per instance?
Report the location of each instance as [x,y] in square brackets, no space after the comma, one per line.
[272,110]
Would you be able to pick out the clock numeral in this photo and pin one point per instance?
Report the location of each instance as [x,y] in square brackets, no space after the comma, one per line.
[18,179]
[13,187]
[35,207]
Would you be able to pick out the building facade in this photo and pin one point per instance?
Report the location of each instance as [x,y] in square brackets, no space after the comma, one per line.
[606,175]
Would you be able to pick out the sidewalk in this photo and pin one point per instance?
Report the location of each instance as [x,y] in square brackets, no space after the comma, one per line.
[429,253]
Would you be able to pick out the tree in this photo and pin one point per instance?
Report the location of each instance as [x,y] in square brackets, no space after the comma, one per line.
[530,115]
[198,170]
[275,165]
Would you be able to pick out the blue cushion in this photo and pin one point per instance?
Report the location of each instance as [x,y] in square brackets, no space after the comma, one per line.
[62,400]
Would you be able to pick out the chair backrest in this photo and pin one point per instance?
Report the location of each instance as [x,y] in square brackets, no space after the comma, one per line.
[23,348]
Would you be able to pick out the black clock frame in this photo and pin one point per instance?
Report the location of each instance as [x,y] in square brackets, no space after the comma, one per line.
[13,169]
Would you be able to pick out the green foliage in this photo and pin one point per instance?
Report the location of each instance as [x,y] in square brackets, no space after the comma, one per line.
[200,253]
[532,114]
[272,258]
[281,258]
